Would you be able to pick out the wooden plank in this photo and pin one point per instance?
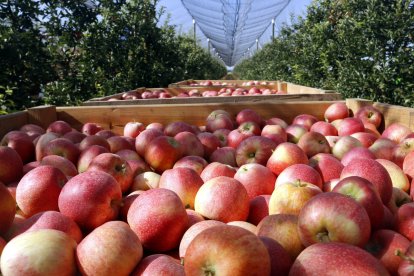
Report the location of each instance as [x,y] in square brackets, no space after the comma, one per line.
[12,121]
[42,115]
[396,114]
[231,99]
[292,88]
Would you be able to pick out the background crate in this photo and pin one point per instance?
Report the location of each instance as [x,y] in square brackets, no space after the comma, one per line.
[115,117]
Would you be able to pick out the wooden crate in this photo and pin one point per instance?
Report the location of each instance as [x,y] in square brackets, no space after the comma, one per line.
[115,117]
[294,93]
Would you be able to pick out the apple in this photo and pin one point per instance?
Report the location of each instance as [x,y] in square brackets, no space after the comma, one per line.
[396,132]
[105,133]
[133,129]
[401,150]
[324,128]
[254,149]
[165,232]
[283,228]
[48,220]
[369,114]
[144,138]
[320,220]
[256,178]
[366,194]
[383,148]
[128,155]
[280,260]
[60,127]
[31,129]
[305,120]
[127,202]
[216,169]
[222,134]
[190,143]
[289,197]
[74,136]
[241,253]
[117,143]
[87,155]
[258,209]
[116,241]
[243,224]
[39,190]
[336,258]
[21,143]
[115,166]
[405,220]
[219,119]
[222,198]
[248,115]
[366,138]
[408,166]
[63,164]
[91,140]
[196,163]
[158,264]
[336,111]
[155,125]
[11,165]
[145,181]
[355,153]
[398,198]
[91,128]
[313,143]
[64,148]
[210,143]
[274,132]
[328,166]
[245,130]
[399,179]
[384,244]
[284,155]
[42,252]
[90,199]
[299,172]
[349,126]
[343,145]
[224,155]
[162,152]
[294,132]
[176,127]
[193,231]
[374,172]
[406,266]
[276,121]
[185,182]
[193,217]
[7,209]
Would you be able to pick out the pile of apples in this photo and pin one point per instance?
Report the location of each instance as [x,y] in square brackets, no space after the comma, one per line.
[222,83]
[240,195]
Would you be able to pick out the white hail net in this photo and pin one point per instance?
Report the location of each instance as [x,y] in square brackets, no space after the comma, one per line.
[234,26]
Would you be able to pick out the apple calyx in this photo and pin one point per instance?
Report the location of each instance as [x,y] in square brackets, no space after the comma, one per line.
[208,270]
[121,168]
[403,256]
[323,236]
[117,203]
[300,183]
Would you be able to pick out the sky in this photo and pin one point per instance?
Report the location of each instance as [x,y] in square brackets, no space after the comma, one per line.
[183,20]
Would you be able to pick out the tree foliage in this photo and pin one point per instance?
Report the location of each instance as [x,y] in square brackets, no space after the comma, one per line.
[71,51]
[359,48]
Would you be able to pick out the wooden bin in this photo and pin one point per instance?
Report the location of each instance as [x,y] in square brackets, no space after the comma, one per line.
[294,93]
[116,116]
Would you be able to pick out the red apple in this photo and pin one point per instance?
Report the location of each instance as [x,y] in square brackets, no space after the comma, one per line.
[61,163]
[396,132]
[115,166]
[64,148]
[405,220]
[399,179]
[39,190]
[105,133]
[196,163]
[210,143]
[165,232]
[313,143]
[222,135]
[336,111]
[116,241]
[280,260]
[335,258]
[7,209]
[117,143]
[327,166]
[241,252]
[355,153]
[256,178]
[294,132]
[144,138]
[406,267]
[91,199]
[408,166]
[42,252]
[224,155]
[219,119]
[320,220]
[276,121]
[21,143]
[254,149]
[284,155]
[133,129]
[384,244]
[127,202]
[248,115]
[190,143]
[299,172]
[91,128]
[274,132]
[11,165]
[401,150]
[193,217]
[162,152]
[174,128]
[343,145]
[258,209]
[222,198]
[324,128]
[366,194]
[158,264]
[398,198]
[74,136]
[369,114]
[216,169]
[145,181]
[91,140]
[59,127]
[383,148]
[366,138]
[305,120]
[87,155]
[185,182]
[244,131]
[349,126]
[374,172]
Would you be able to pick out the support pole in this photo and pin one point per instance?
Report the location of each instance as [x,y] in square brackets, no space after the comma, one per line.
[257,44]
[208,44]
[273,29]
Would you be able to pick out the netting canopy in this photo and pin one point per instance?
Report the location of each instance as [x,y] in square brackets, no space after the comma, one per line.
[232,26]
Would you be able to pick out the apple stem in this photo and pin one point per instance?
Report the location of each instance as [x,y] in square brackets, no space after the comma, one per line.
[403,256]
[323,236]
[208,271]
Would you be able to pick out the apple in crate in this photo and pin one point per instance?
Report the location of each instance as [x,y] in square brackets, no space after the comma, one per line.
[162,152]
[11,165]
[328,166]
[91,128]
[74,136]
[196,163]
[41,252]
[62,147]
[280,260]
[313,143]
[21,143]
[165,232]
[324,128]
[343,145]
[59,127]
[256,178]
[7,209]
[254,149]
[284,155]
[383,148]
[224,155]
[119,250]
[248,115]
[305,120]
[396,132]
[39,190]
[349,126]
[158,264]
[335,258]
[405,220]
[87,155]
[91,140]
[406,267]
[144,138]
[190,143]
[63,164]
[240,253]
[219,119]
[299,172]
[210,142]
[117,143]
[216,169]
[333,217]
[336,111]
[91,198]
